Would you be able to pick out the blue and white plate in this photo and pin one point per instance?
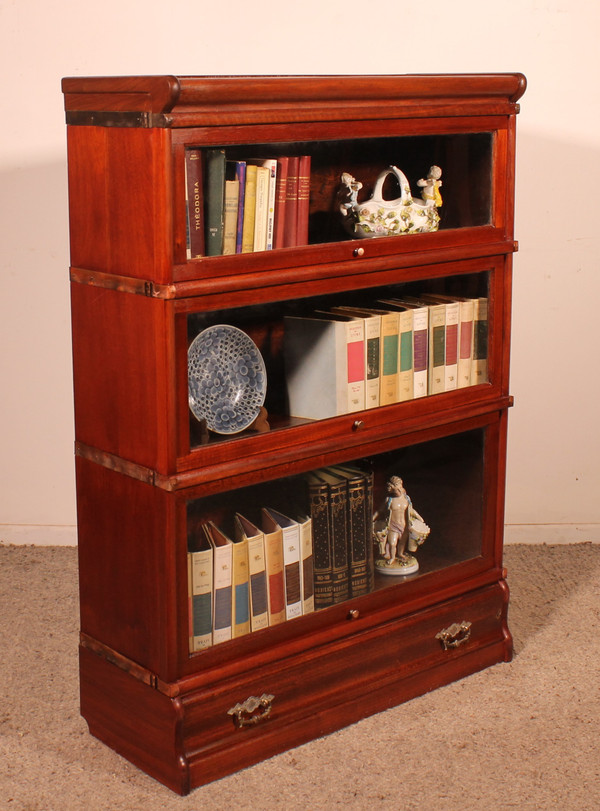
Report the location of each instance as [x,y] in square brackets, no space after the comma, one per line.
[227,380]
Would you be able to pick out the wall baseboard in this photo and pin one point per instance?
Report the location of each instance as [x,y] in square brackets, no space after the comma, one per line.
[551,533]
[38,535]
[46,535]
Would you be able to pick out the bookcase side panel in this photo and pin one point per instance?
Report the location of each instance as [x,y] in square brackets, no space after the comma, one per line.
[123,349]
[127,567]
[120,188]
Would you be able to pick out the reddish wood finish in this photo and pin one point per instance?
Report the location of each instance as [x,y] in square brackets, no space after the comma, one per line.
[139,466]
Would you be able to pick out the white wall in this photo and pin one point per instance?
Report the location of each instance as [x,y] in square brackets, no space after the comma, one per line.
[553,471]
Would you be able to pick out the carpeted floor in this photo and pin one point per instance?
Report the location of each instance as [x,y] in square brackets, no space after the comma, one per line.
[523,735]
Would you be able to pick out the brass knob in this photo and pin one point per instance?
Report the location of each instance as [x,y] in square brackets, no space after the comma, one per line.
[358,252]
[353,614]
[358,425]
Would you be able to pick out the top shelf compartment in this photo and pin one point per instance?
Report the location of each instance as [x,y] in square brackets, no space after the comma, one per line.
[133,133]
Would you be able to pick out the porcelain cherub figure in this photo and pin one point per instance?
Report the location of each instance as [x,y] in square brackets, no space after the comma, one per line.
[403,533]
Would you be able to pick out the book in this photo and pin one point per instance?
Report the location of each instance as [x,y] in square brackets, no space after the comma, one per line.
[372,353]
[437,348]
[261,212]
[338,534]
[271,165]
[316,353]
[194,200]
[452,315]
[230,217]
[318,501]
[200,560]
[405,388]
[420,343]
[358,536]
[222,583]
[240,584]
[479,367]
[303,194]
[275,571]
[280,201]
[290,228]
[307,584]
[354,330]
[240,176]
[215,200]
[257,575]
[465,342]
[249,209]
[290,535]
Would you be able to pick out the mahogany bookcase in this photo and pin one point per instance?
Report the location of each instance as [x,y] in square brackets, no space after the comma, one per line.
[147,475]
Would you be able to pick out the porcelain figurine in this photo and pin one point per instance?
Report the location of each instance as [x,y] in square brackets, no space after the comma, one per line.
[402,533]
[378,217]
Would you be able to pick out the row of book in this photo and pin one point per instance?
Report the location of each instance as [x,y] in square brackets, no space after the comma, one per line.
[242,206]
[262,576]
[352,358]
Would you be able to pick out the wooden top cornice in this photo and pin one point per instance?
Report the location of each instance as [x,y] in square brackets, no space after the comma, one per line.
[171,101]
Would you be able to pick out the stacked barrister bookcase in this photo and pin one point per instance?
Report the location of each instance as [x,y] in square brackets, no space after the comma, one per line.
[151,475]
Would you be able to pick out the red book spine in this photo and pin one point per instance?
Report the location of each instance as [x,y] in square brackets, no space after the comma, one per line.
[303,200]
[291,204]
[280,202]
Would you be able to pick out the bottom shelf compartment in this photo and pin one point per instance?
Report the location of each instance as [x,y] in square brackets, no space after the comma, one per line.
[202,728]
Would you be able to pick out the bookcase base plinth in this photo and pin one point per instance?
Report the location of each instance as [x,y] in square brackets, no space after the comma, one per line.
[192,739]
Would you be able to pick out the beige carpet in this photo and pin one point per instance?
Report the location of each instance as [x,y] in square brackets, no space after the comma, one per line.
[524,735]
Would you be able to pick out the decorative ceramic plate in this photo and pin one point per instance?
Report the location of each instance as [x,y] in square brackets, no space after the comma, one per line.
[227,380]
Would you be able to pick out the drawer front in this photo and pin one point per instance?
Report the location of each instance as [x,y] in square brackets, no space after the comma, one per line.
[323,689]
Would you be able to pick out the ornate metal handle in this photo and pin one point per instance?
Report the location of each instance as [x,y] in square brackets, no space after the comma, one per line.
[457,634]
[252,711]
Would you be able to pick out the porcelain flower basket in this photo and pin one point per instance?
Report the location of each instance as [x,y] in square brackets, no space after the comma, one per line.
[378,217]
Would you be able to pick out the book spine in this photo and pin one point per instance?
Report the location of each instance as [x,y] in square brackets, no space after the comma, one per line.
[275,577]
[195,210]
[215,199]
[355,364]
[307,567]
[406,372]
[452,318]
[280,202]
[271,165]
[249,210]
[261,208]
[202,596]
[322,560]
[357,538]
[303,200]
[437,348]
[372,360]
[232,193]
[223,602]
[240,589]
[389,366]
[479,369]
[259,617]
[339,544]
[291,204]
[465,355]
[240,176]
[420,350]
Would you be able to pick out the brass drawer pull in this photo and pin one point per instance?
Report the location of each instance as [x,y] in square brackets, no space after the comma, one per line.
[252,711]
[457,634]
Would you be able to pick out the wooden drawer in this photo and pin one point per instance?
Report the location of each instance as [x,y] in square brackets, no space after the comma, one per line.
[322,689]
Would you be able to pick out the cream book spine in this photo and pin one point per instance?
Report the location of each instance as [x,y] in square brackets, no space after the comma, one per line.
[257,575]
[479,367]
[388,391]
[290,540]
[465,343]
